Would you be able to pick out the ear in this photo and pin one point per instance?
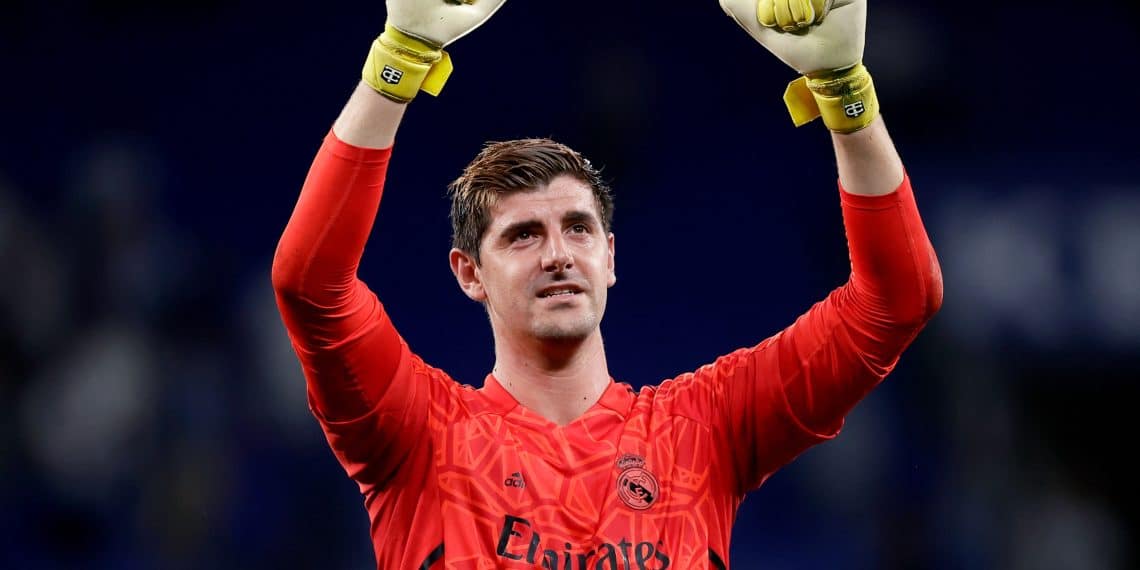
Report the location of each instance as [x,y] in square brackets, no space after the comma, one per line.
[610,262]
[466,273]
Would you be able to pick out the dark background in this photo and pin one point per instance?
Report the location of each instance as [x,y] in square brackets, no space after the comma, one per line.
[152,411]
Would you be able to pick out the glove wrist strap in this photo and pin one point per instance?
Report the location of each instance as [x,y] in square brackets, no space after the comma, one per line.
[844,98]
[400,65]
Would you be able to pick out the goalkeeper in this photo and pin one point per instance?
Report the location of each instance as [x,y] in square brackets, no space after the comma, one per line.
[553,463]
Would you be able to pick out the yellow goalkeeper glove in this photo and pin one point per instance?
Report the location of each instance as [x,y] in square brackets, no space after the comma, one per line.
[823,40]
[409,57]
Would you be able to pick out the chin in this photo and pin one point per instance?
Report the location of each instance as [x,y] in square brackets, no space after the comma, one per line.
[565,332]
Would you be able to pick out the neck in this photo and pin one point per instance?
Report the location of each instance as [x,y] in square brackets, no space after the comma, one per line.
[558,380]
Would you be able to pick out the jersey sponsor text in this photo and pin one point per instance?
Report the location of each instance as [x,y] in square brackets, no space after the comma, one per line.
[625,555]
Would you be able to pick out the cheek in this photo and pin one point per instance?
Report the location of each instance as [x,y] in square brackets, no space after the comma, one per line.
[600,263]
[506,285]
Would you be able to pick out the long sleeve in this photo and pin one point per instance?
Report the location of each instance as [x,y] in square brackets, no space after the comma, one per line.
[357,369]
[774,400]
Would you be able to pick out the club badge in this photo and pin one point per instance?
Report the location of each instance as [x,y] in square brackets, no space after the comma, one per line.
[636,486]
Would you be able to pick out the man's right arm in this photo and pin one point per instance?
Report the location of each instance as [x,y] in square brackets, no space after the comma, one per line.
[323,303]
[320,298]
[362,379]
[356,367]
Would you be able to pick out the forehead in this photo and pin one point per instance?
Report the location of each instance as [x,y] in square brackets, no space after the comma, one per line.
[564,194]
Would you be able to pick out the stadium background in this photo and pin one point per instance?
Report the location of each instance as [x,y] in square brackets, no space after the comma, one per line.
[153,415]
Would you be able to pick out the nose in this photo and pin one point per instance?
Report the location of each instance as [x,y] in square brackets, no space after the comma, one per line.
[556,257]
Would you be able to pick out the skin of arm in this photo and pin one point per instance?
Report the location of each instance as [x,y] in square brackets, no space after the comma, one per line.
[868,163]
[369,119]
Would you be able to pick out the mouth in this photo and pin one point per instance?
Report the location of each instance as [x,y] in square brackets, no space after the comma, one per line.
[559,292]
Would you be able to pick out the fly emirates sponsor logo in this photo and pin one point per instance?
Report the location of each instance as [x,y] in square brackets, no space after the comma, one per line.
[519,541]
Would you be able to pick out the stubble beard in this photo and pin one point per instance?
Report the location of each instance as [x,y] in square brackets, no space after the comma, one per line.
[561,330]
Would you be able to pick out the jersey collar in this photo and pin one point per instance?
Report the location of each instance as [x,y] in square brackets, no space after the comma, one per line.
[618,396]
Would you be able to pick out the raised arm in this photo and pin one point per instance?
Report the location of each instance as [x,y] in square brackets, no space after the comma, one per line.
[362,383]
[794,389]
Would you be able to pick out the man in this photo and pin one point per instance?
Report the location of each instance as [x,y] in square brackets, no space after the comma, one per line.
[551,463]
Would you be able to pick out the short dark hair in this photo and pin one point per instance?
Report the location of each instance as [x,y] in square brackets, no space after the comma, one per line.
[506,167]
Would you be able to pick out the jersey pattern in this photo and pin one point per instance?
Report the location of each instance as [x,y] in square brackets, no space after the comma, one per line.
[634,483]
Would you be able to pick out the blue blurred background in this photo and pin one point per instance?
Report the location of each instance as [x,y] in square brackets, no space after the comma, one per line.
[153,414]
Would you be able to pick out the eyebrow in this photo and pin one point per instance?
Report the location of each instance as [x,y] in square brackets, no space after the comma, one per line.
[571,217]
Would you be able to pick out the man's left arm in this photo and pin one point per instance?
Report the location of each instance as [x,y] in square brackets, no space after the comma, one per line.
[793,389]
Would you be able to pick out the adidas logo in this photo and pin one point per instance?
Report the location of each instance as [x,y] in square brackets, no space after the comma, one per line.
[515,480]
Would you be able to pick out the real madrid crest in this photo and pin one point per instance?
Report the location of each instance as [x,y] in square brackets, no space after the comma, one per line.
[636,486]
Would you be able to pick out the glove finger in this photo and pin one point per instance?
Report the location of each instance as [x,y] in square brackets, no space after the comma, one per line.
[783,15]
[765,13]
[801,12]
[789,14]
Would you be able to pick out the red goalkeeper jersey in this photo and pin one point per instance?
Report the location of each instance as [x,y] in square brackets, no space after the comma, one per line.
[462,478]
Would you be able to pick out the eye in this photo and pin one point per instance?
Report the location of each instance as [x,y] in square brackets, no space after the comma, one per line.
[523,235]
[580,228]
